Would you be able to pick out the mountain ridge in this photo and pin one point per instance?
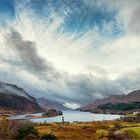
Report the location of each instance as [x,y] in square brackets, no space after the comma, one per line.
[14,89]
[16,99]
[133,96]
[47,104]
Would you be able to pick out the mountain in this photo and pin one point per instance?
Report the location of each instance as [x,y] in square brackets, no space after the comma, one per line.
[46,104]
[14,98]
[7,88]
[114,102]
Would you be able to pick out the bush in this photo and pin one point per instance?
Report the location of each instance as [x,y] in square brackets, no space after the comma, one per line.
[102,133]
[27,131]
[117,125]
[48,137]
[31,137]
[130,134]
[9,128]
[115,135]
[138,114]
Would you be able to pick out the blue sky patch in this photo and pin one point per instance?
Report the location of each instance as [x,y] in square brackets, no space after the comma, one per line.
[7,11]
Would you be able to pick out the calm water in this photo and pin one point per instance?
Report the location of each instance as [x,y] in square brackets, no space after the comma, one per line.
[71,116]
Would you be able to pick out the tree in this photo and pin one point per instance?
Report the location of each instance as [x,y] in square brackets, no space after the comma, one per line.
[48,137]
[26,131]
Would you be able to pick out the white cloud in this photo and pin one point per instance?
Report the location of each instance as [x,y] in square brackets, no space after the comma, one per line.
[71,105]
[90,66]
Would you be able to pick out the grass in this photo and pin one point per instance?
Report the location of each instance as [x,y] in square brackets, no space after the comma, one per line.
[70,131]
[99,130]
[89,131]
[132,128]
[101,133]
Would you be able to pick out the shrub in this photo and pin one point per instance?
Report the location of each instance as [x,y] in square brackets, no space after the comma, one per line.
[31,137]
[115,135]
[119,136]
[102,133]
[138,114]
[130,134]
[48,137]
[117,125]
[9,128]
[25,131]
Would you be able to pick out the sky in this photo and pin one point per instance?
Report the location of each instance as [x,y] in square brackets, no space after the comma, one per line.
[71,51]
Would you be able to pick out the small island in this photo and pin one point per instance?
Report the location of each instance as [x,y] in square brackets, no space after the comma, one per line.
[52,113]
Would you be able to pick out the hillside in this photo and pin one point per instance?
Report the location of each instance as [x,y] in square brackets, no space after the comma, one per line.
[46,104]
[7,88]
[14,98]
[114,101]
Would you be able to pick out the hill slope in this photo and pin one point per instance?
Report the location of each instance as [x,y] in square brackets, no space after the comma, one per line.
[14,98]
[114,101]
[46,104]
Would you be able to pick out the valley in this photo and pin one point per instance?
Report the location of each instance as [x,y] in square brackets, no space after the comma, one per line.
[93,121]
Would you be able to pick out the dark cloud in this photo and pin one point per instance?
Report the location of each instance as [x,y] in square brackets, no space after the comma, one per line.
[130,81]
[90,88]
[27,52]
[62,87]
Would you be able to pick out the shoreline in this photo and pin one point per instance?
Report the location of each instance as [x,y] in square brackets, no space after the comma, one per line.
[68,116]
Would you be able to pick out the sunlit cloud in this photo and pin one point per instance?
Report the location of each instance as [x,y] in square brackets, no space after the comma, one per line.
[70,51]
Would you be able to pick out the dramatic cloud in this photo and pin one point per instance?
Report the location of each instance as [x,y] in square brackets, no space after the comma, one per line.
[89,87]
[72,52]
[130,80]
[28,54]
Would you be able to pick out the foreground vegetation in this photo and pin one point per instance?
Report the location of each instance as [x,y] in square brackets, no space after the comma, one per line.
[104,130]
[101,130]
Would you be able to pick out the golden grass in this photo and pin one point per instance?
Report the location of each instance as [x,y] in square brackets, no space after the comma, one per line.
[80,131]
[86,131]
[70,132]
[134,128]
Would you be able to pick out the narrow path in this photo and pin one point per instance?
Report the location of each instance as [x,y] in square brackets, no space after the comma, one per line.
[56,129]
